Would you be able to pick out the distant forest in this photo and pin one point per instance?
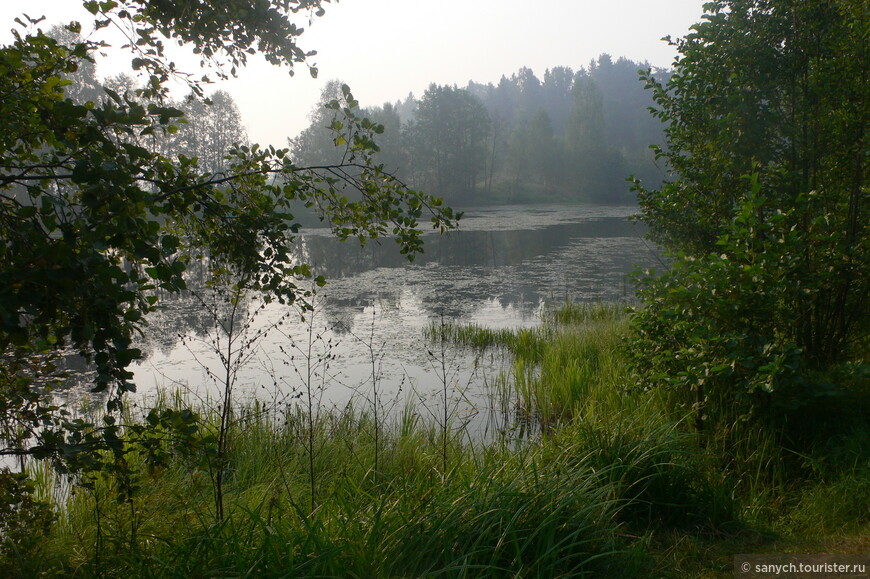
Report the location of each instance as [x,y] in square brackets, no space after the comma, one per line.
[573,136]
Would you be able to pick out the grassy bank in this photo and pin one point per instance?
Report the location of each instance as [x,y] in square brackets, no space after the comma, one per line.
[596,479]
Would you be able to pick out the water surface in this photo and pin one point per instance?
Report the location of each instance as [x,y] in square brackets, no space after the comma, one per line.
[363,343]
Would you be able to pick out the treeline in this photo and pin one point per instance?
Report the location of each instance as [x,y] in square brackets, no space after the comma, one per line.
[575,135]
[207,132]
[571,136]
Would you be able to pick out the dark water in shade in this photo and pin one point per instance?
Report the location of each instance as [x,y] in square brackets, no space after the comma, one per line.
[498,271]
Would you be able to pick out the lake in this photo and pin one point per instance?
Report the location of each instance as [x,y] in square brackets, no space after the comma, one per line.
[363,344]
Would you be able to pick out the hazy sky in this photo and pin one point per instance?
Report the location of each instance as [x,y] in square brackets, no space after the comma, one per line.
[385,49]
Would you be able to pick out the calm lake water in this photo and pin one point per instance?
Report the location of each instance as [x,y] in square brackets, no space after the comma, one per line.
[363,344]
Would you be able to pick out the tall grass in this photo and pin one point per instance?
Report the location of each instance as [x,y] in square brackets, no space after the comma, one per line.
[571,365]
[527,511]
[604,481]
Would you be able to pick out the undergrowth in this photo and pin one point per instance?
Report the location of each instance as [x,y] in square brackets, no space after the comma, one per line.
[610,481]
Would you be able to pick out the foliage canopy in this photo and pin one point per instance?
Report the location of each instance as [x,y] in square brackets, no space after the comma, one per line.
[766,303]
[94,221]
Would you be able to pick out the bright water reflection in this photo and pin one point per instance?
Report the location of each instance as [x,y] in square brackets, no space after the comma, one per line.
[364,341]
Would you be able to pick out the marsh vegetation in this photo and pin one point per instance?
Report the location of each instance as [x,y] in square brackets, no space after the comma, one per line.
[594,476]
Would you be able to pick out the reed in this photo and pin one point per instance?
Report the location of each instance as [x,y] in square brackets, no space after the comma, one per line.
[572,363]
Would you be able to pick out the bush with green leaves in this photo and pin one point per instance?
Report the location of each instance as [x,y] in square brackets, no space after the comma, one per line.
[766,217]
[24,523]
[718,324]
